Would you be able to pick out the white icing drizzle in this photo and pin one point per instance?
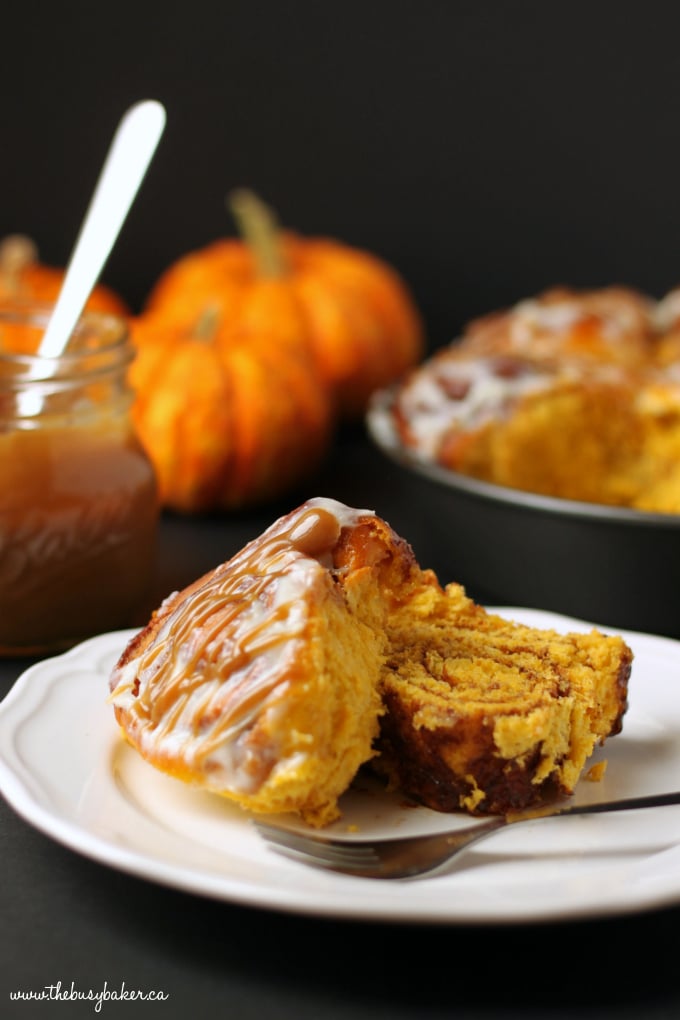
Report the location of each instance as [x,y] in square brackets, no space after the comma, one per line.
[543,342]
[224,653]
[618,318]
[668,311]
[431,412]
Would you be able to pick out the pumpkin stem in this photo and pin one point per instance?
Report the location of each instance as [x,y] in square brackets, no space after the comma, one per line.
[207,323]
[258,226]
[16,253]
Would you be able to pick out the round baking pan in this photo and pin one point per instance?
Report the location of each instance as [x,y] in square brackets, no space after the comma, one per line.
[613,566]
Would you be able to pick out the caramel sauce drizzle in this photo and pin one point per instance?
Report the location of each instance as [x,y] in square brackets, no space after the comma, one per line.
[223,653]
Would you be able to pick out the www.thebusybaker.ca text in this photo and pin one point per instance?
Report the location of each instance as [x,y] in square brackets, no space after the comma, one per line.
[61,993]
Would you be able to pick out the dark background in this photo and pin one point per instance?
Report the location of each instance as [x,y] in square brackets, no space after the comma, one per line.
[486,149]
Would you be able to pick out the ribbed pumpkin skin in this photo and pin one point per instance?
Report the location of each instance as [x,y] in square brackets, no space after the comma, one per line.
[23,278]
[230,420]
[353,309]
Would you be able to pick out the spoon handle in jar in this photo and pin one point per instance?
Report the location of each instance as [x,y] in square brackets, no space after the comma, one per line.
[127,161]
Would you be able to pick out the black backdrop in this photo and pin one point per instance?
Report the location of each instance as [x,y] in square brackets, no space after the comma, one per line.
[486,149]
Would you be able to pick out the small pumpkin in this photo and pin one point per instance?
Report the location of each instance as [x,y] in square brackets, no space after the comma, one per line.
[353,310]
[229,419]
[23,277]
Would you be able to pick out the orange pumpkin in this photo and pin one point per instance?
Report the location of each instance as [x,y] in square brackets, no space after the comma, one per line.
[351,308]
[229,420]
[24,278]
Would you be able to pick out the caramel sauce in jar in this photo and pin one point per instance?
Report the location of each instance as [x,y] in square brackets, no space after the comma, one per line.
[78,500]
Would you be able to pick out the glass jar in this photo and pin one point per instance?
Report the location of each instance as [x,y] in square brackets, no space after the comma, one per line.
[78,500]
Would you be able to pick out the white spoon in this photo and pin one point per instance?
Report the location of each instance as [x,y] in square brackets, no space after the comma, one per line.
[133,145]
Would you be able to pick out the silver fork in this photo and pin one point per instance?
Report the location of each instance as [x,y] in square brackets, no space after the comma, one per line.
[409,856]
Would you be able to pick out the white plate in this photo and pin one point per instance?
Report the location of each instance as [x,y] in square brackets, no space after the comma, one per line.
[66,770]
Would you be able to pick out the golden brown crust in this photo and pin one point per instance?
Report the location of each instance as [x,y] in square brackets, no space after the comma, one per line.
[415,759]
[569,394]
[259,680]
[274,677]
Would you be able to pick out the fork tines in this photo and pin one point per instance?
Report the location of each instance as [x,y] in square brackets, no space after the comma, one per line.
[347,854]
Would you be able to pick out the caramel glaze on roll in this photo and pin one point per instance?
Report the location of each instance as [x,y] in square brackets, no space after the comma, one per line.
[323,646]
[569,394]
[259,680]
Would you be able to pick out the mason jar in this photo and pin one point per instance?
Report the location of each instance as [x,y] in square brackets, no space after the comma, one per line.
[78,501]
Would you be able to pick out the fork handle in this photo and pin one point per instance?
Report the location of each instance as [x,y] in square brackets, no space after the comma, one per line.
[411,856]
[628,804]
